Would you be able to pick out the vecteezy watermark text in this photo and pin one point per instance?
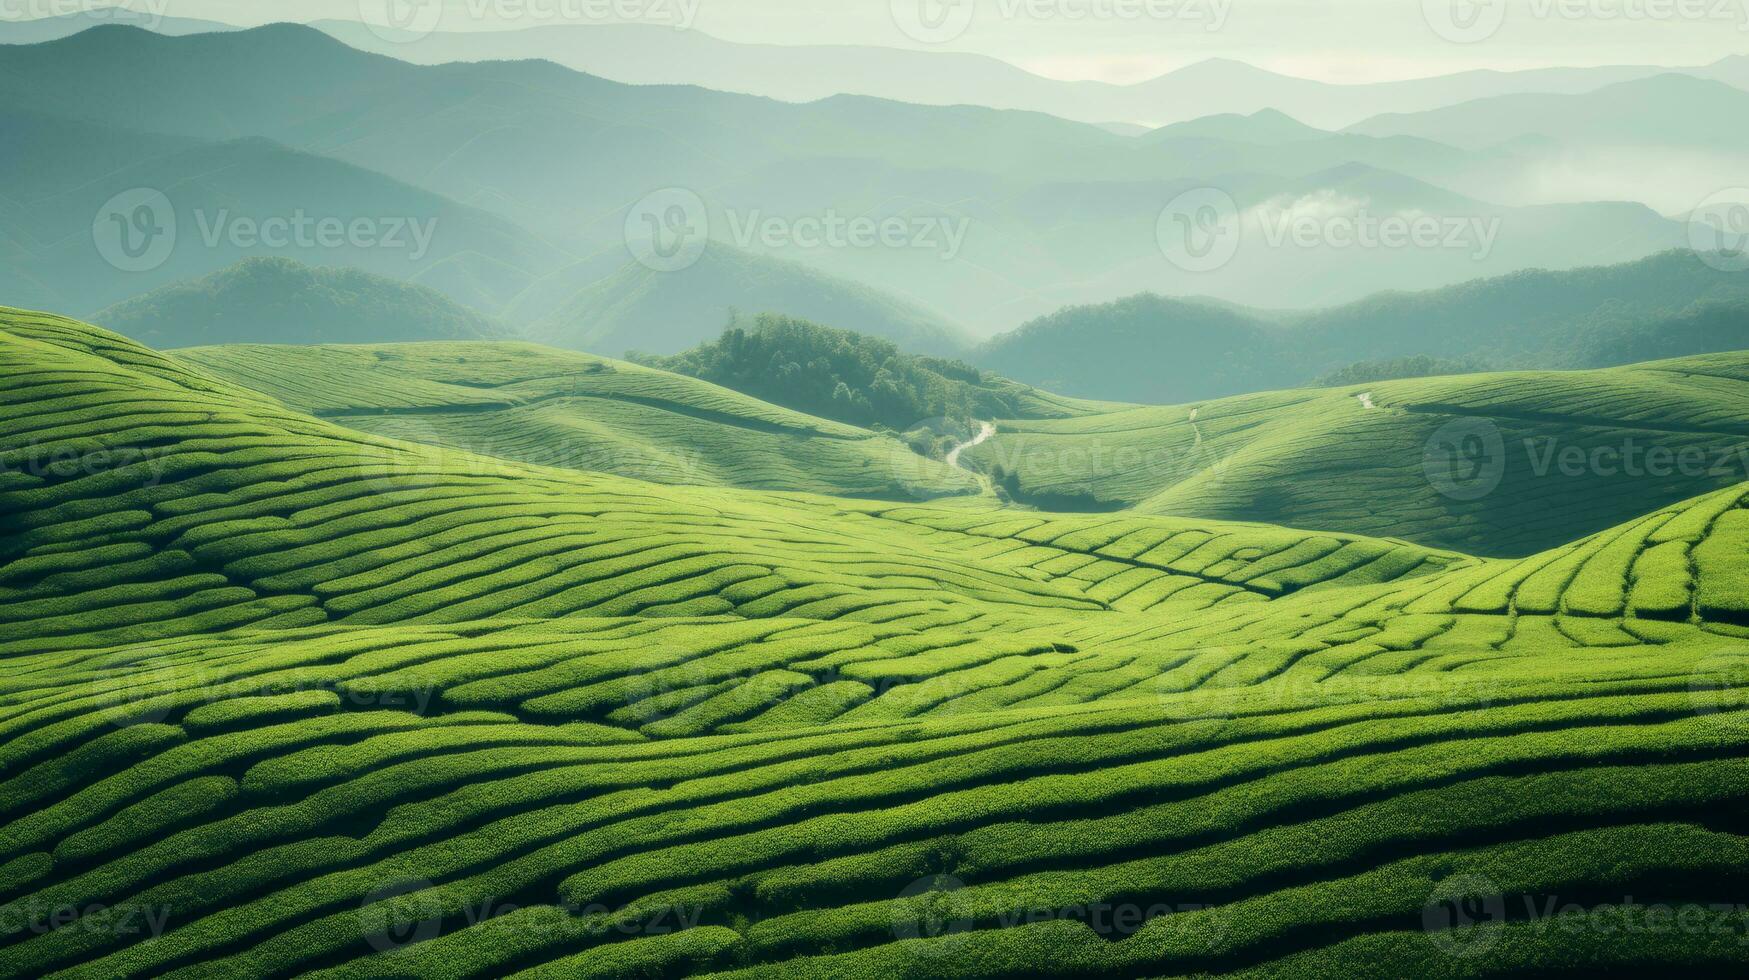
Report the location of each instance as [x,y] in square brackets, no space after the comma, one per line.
[668,230]
[142,13]
[406,21]
[1202,230]
[831,230]
[1474,21]
[941,21]
[137,230]
[1467,458]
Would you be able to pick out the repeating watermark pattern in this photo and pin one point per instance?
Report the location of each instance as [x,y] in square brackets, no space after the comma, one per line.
[942,21]
[403,913]
[1466,914]
[135,230]
[940,234]
[128,920]
[1202,230]
[937,908]
[63,462]
[1464,21]
[667,230]
[131,687]
[1474,21]
[140,13]
[1329,220]
[1199,230]
[1718,230]
[302,230]
[407,21]
[1467,458]
[1719,690]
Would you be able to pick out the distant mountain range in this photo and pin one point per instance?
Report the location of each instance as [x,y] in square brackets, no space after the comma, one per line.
[534,171]
[647,54]
[1159,350]
[651,54]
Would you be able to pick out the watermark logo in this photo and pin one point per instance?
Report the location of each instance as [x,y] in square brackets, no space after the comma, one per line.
[1465,459]
[139,13]
[401,913]
[1719,690]
[407,21]
[302,230]
[933,21]
[932,908]
[668,230]
[941,21]
[940,234]
[1718,230]
[1329,219]
[1463,915]
[1199,231]
[1464,21]
[135,231]
[401,21]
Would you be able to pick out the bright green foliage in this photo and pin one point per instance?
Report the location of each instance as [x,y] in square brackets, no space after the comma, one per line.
[555,408]
[285,697]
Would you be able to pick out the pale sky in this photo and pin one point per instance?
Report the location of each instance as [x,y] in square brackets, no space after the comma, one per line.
[1125,40]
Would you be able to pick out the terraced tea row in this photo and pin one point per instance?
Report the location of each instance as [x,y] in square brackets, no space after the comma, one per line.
[1503,464]
[574,411]
[278,834]
[287,698]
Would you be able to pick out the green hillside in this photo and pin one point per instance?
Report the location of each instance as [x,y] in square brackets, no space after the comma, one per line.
[286,698]
[1558,455]
[281,301]
[519,401]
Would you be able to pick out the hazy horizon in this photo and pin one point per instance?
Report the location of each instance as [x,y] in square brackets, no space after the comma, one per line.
[1114,41]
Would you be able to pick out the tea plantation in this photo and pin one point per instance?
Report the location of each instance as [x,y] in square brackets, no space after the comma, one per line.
[285,695]
[1564,454]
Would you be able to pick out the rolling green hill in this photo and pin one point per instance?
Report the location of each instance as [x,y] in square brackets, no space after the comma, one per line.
[281,301]
[575,411]
[287,698]
[1556,455]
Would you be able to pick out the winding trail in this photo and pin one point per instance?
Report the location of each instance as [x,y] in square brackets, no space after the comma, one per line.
[985,431]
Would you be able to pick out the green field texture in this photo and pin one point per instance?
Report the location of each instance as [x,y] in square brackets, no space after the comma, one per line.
[318,701]
[1578,452]
[576,411]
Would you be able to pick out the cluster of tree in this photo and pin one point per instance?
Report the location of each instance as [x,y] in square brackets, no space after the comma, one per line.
[838,374]
[1395,368]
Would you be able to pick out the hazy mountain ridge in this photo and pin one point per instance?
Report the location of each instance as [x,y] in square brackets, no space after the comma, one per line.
[1156,349]
[281,301]
[1023,253]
